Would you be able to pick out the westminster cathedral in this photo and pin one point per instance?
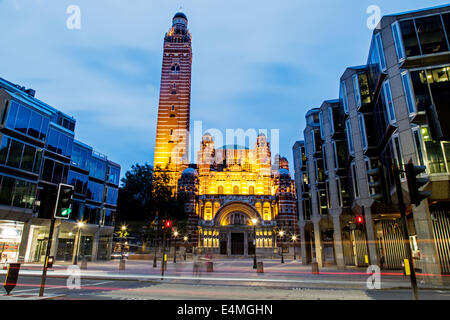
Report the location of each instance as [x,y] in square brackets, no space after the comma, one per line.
[237,201]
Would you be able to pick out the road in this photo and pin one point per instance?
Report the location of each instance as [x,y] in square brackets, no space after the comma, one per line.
[231,279]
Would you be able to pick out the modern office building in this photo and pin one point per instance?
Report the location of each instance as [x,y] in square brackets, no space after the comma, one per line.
[37,152]
[391,111]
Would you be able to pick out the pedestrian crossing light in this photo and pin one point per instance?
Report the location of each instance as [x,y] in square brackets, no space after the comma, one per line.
[64,201]
[415,183]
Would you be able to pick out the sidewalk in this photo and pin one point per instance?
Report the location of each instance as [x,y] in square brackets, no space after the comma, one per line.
[291,273]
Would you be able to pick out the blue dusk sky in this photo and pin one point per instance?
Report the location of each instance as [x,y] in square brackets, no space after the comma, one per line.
[256,64]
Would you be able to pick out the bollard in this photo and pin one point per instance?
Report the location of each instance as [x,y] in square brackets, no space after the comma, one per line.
[122,264]
[315,268]
[83,264]
[209,266]
[259,267]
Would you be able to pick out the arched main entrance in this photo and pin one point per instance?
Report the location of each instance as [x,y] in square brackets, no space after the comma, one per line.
[235,221]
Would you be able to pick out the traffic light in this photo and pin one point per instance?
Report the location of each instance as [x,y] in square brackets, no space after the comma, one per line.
[415,183]
[168,224]
[359,220]
[64,202]
[377,184]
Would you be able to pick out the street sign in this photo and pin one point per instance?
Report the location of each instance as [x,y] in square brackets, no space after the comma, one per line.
[11,277]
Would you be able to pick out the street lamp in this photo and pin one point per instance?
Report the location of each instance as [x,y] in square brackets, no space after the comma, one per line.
[80,224]
[281,233]
[185,238]
[254,222]
[175,235]
[123,228]
[294,238]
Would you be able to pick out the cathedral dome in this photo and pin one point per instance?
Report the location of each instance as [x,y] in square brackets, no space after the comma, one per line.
[282,173]
[180,15]
[189,172]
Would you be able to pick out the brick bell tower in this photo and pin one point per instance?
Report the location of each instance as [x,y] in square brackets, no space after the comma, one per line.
[172,133]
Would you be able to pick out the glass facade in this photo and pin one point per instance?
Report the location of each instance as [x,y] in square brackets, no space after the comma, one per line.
[424,35]
[16,154]
[27,121]
[81,157]
[59,142]
[16,192]
[98,168]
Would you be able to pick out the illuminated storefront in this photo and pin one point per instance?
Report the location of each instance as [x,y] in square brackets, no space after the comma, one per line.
[10,236]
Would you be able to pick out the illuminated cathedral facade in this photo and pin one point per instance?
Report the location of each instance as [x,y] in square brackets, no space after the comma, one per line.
[237,201]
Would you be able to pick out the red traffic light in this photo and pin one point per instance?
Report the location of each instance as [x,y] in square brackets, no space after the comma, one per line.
[168,224]
[359,219]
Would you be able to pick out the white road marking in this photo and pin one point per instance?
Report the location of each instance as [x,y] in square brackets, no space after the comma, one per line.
[62,287]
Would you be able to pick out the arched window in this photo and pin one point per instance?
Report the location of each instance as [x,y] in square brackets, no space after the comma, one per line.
[251,190]
[235,190]
[175,68]
[220,190]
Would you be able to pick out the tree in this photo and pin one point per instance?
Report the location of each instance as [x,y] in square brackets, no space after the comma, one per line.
[144,194]
[135,195]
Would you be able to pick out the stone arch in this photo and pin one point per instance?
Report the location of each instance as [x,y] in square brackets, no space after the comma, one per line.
[236,206]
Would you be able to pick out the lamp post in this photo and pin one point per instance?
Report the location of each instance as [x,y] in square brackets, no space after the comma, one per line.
[175,235]
[254,222]
[281,233]
[294,238]
[185,238]
[124,229]
[80,224]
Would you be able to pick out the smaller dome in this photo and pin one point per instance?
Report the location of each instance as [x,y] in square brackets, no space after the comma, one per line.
[189,172]
[180,15]
[282,172]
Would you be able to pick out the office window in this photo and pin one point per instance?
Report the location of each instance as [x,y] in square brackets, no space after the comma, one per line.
[324,151]
[339,191]
[398,41]
[409,38]
[421,91]
[398,153]
[327,186]
[59,143]
[419,146]
[348,126]
[408,92]
[331,120]
[113,175]
[95,191]
[335,157]
[17,193]
[355,180]
[313,141]
[434,153]
[322,133]
[379,44]
[26,121]
[344,96]
[446,19]
[431,34]
[389,102]
[362,129]
[356,90]
[364,89]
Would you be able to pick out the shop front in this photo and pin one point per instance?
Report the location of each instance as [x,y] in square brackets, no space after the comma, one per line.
[10,237]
